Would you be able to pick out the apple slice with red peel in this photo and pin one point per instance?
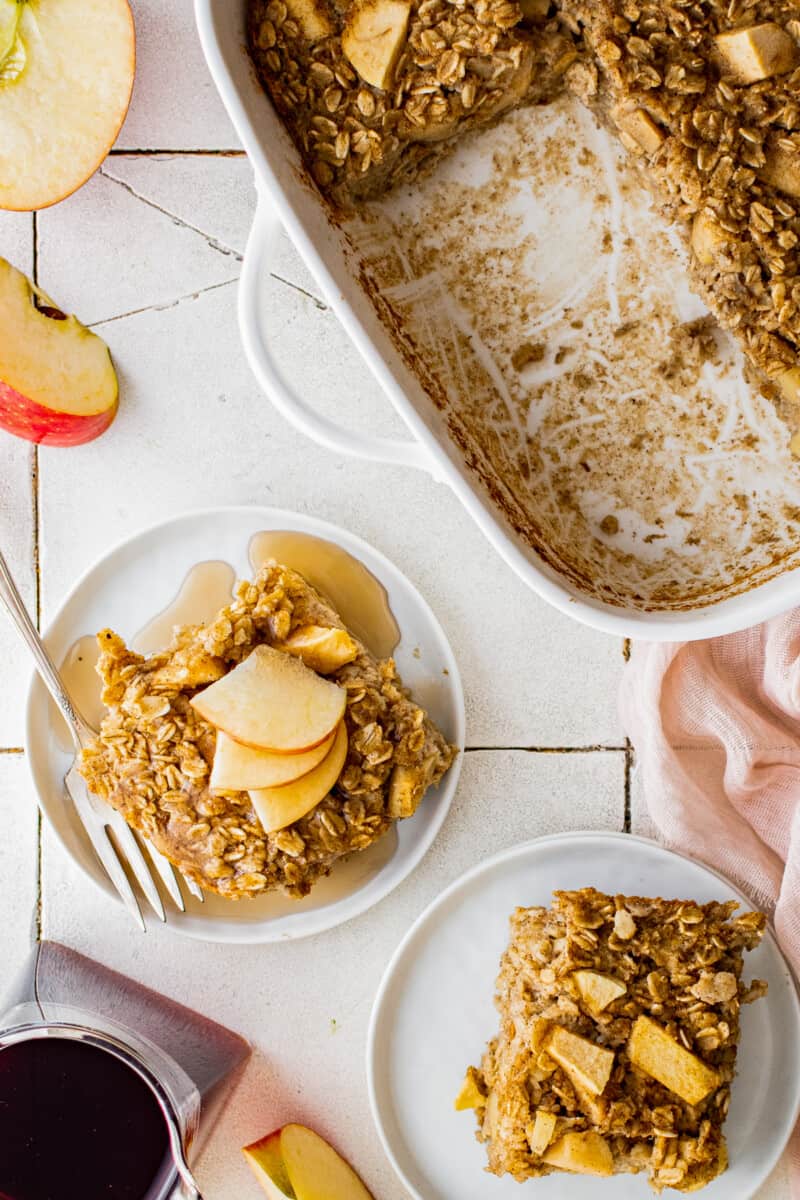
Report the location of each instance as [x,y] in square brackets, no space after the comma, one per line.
[274,702]
[58,386]
[294,1163]
[277,807]
[66,76]
[238,768]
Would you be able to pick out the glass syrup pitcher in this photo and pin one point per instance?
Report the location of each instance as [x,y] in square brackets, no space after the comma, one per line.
[106,1087]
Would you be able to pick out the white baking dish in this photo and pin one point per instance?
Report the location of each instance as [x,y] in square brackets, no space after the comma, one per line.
[287,199]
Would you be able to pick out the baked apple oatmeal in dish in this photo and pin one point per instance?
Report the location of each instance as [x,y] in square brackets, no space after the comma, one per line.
[705,97]
[263,746]
[618,1038]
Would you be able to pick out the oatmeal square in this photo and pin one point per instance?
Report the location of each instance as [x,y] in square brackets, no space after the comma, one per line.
[155,752]
[619,1024]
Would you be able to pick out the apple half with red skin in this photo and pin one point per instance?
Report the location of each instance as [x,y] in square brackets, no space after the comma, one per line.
[66,76]
[294,1163]
[58,386]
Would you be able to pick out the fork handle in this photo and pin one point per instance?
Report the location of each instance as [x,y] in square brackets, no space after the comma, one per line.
[14,604]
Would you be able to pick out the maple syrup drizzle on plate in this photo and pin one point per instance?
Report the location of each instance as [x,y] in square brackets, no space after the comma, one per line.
[358,597]
[206,589]
[78,671]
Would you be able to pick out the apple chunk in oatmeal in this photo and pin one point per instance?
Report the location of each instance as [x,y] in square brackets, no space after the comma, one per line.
[261,747]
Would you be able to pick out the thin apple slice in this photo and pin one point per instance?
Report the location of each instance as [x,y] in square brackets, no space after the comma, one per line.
[272,701]
[295,1162]
[237,768]
[64,98]
[278,807]
[637,124]
[789,385]
[313,17]
[323,648]
[58,386]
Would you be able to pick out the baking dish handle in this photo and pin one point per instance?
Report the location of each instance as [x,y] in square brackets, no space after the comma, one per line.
[256,266]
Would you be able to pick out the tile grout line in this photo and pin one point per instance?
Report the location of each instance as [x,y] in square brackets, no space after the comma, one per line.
[626,819]
[123,151]
[213,242]
[548,749]
[321,305]
[137,312]
[626,823]
[37,603]
[35,470]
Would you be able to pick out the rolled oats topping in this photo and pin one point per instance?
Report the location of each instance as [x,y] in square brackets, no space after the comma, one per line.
[153,757]
[619,1024]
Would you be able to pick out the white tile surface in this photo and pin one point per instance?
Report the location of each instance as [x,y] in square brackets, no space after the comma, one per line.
[16,510]
[18,855]
[213,195]
[305,1005]
[16,240]
[141,257]
[16,543]
[175,105]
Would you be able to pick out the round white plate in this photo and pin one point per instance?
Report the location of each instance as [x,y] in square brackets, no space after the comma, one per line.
[138,579]
[434,1014]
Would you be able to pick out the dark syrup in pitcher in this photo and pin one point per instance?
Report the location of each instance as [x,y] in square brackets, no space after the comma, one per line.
[76,1123]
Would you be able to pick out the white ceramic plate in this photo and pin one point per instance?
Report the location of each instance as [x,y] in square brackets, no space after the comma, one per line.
[434,1014]
[138,579]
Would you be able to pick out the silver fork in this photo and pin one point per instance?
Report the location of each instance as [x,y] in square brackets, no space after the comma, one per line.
[114,842]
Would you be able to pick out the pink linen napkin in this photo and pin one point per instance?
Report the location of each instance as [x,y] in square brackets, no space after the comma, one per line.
[716,730]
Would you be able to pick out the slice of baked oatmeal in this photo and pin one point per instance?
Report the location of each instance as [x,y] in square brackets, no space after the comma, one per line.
[153,756]
[374,91]
[618,1037]
[707,97]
